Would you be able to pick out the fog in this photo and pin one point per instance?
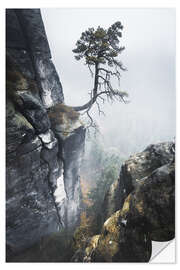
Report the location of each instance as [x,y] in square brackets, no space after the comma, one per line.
[149,39]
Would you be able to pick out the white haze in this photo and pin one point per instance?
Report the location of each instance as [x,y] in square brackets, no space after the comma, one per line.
[149,38]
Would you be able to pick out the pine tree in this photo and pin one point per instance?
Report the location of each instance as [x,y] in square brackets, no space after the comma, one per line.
[100,49]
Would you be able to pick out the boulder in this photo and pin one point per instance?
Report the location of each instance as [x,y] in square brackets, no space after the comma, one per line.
[133,170]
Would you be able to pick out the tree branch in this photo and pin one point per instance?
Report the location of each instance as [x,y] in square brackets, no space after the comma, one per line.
[90,102]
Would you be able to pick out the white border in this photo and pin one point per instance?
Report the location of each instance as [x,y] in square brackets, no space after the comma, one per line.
[90,4]
[74,4]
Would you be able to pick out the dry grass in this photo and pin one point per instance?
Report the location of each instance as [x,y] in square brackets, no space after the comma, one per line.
[60,112]
[111,225]
[85,188]
[83,232]
[126,205]
[107,247]
[92,244]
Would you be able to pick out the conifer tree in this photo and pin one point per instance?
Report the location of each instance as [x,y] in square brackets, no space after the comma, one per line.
[100,49]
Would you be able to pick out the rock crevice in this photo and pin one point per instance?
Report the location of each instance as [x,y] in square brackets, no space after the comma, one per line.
[42,185]
[145,214]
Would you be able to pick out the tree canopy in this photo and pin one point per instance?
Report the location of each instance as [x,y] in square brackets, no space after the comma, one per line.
[100,48]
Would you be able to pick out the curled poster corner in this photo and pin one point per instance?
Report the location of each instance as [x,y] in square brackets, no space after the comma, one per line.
[163,252]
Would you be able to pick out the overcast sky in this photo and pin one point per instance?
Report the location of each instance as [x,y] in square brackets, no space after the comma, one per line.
[149,39]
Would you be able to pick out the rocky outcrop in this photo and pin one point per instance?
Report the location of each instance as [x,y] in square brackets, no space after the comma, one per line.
[70,133]
[30,208]
[45,142]
[133,170]
[43,162]
[27,43]
[147,214]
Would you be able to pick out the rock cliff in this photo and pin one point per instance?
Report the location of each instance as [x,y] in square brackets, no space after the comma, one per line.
[140,208]
[44,138]
[135,168]
[44,148]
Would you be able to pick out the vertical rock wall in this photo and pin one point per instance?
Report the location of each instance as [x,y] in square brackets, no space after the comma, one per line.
[70,134]
[42,179]
[27,42]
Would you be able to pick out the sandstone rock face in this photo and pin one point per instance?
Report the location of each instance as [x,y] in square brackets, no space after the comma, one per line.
[32,171]
[133,170]
[27,43]
[42,178]
[148,213]
[73,149]
[71,137]
[30,208]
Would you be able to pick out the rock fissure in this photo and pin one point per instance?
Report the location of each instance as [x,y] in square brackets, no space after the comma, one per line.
[45,146]
[42,165]
[147,213]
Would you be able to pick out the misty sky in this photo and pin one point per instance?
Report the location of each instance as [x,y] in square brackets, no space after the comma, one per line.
[149,39]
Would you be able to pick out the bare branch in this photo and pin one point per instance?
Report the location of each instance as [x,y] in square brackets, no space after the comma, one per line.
[103,100]
[117,74]
[99,109]
[89,103]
